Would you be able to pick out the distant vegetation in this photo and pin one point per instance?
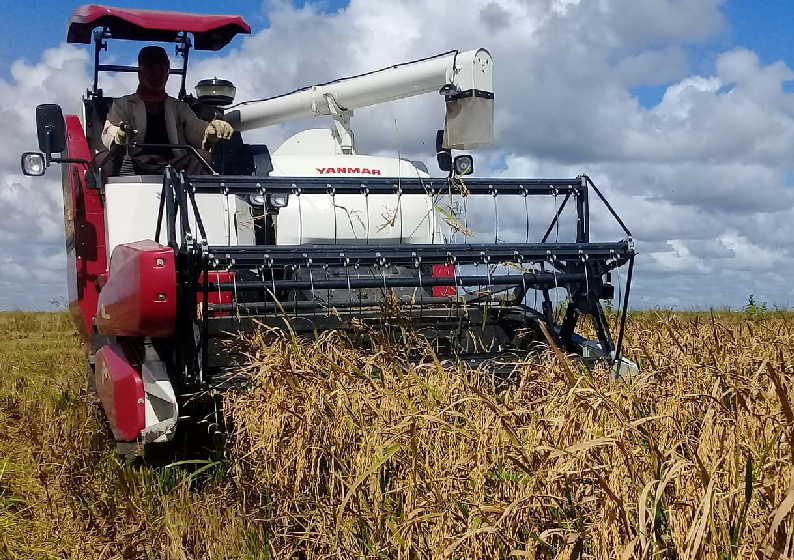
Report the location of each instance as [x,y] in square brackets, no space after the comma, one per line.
[371,448]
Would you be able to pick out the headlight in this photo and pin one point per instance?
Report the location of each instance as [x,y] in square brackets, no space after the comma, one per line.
[256,199]
[279,200]
[33,163]
[464,165]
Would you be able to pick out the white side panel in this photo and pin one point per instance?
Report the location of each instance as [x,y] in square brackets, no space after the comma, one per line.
[385,219]
[131,207]
[161,409]
[351,219]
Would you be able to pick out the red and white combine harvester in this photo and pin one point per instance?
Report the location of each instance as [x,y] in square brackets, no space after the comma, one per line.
[162,268]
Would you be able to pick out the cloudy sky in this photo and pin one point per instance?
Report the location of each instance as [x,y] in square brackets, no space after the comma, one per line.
[681,110]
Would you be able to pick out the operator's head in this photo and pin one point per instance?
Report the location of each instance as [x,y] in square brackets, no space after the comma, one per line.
[153,67]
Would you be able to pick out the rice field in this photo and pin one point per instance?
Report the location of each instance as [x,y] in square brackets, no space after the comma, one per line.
[369,446]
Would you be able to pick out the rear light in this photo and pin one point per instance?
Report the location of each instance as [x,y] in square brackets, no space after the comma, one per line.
[444,271]
[216,296]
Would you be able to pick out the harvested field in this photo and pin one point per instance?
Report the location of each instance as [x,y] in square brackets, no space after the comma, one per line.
[366,449]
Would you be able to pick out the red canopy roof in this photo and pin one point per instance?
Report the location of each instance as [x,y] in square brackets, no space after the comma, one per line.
[210,32]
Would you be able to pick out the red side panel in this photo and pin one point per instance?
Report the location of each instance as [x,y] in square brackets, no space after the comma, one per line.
[444,271]
[120,388]
[139,297]
[217,296]
[84,221]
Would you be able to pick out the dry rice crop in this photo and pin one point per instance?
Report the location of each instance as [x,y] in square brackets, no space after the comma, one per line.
[369,447]
[64,494]
[367,451]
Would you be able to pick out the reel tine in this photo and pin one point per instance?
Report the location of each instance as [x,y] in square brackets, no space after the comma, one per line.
[311,278]
[489,287]
[454,299]
[357,268]
[272,277]
[451,213]
[418,264]
[300,213]
[328,293]
[366,210]
[495,194]
[261,269]
[526,210]
[487,261]
[226,215]
[431,222]
[205,312]
[461,298]
[400,210]
[219,290]
[586,275]
[464,197]
[346,264]
[332,193]
[236,297]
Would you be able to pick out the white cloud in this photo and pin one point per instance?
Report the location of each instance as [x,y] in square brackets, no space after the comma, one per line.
[701,178]
[679,259]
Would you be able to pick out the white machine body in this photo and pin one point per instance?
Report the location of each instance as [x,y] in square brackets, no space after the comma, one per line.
[352,218]
[132,203]
[131,207]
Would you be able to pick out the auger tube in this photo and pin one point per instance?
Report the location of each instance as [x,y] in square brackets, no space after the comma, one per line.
[459,73]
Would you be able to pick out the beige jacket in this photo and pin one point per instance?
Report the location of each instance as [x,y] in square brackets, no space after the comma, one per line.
[182,124]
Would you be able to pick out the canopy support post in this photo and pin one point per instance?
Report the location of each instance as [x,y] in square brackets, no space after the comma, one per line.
[99,44]
[183,47]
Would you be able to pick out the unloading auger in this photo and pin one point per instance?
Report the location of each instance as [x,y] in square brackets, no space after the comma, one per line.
[313,236]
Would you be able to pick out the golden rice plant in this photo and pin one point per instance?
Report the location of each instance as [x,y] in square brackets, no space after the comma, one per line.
[63,492]
[367,445]
[356,447]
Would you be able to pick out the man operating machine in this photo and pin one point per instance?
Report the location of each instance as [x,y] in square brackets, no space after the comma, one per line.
[156,120]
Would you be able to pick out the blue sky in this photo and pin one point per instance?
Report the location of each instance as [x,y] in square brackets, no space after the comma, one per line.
[763,26]
[25,36]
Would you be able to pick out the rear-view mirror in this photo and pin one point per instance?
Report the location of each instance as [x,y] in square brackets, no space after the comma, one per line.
[50,128]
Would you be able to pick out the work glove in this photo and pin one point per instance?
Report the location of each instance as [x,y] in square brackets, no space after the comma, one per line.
[117,133]
[220,130]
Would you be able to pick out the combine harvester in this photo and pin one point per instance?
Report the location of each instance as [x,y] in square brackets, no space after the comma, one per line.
[162,268]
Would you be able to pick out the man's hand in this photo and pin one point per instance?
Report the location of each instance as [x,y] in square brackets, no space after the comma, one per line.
[220,130]
[117,133]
